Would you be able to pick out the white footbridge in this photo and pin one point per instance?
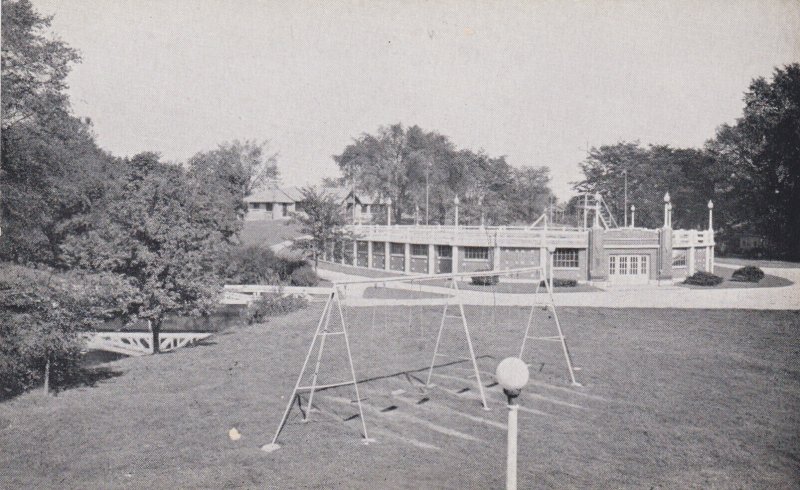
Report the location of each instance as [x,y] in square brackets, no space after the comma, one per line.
[140,343]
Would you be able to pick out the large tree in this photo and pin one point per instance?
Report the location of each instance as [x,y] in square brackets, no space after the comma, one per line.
[394,164]
[687,174]
[34,66]
[238,167]
[414,167]
[160,231]
[51,167]
[322,224]
[759,157]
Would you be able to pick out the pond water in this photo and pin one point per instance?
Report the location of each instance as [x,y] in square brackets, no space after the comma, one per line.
[223,318]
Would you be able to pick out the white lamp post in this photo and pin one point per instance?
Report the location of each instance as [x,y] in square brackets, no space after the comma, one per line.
[666,210]
[710,215]
[456,201]
[633,216]
[512,374]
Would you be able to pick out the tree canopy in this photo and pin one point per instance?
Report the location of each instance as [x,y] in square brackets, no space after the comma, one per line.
[160,232]
[409,164]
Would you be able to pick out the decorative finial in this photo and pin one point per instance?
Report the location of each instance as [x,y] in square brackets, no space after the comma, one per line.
[710,205]
[666,197]
[456,201]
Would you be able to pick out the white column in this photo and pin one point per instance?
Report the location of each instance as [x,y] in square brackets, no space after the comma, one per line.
[496,258]
[431,258]
[387,257]
[692,241]
[455,258]
[407,258]
[369,254]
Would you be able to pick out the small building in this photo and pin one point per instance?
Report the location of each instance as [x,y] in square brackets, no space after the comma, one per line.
[273,202]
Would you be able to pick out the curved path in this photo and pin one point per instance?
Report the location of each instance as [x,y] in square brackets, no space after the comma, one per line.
[645,296]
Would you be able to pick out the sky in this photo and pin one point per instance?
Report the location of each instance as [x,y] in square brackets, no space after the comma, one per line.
[536,81]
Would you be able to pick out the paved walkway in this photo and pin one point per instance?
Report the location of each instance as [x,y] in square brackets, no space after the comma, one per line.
[645,296]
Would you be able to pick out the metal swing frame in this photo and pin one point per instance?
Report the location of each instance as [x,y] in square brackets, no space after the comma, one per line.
[323,331]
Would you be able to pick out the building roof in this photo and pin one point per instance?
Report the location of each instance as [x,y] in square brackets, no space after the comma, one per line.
[342,194]
[273,193]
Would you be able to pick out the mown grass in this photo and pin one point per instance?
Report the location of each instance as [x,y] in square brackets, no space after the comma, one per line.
[671,398]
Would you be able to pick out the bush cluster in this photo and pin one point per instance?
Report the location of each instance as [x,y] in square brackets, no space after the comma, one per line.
[749,273]
[304,276]
[254,264]
[702,278]
[485,280]
[272,305]
[561,283]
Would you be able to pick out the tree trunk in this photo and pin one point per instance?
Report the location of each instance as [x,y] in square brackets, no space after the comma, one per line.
[155,328]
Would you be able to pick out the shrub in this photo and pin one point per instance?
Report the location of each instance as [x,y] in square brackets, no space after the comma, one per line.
[749,273]
[41,316]
[272,305]
[485,280]
[254,264]
[304,276]
[702,278]
[561,283]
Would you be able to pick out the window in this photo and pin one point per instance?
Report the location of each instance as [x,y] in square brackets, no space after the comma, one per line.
[254,205]
[476,253]
[566,258]
[444,251]
[378,248]
[419,250]
[364,209]
[679,258]
[623,266]
[612,265]
[363,247]
[398,249]
[268,206]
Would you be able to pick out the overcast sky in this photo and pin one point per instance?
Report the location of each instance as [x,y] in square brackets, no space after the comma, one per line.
[535,81]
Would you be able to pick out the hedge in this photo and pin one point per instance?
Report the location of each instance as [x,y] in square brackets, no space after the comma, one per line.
[702,278]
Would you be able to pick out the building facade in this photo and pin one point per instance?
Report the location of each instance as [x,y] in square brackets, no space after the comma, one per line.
[599,254]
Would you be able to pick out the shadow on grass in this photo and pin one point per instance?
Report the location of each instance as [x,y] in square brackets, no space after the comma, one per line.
[81,377]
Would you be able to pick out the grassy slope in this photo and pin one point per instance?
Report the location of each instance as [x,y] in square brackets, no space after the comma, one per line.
[678,398]
[268,232]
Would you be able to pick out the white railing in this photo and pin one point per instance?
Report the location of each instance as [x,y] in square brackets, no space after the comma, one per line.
[139,343]
[692,238]
[509,236]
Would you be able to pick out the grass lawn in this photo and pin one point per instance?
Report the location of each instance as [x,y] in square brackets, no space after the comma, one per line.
[671,398]
[358,271]
[268,232]
[725,272]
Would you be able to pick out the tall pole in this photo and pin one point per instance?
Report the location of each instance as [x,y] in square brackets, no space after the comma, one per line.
[427,191]
[455,201]
[625,207]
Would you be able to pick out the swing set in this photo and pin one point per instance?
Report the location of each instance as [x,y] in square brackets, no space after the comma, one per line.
[420,291]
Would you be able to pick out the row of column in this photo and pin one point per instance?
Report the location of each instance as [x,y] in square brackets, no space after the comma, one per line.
[431,257]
